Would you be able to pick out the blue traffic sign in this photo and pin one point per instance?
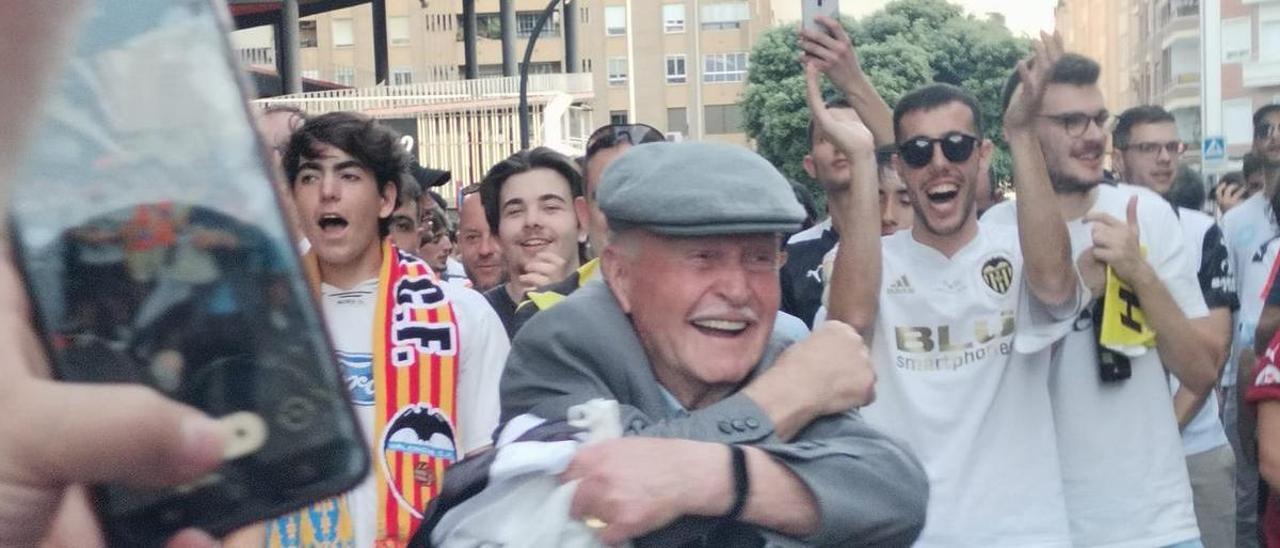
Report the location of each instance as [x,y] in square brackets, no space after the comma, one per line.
[1214,148]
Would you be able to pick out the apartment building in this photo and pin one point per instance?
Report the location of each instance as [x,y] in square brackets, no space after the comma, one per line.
[1103,30]
[678,65]
[1250,67]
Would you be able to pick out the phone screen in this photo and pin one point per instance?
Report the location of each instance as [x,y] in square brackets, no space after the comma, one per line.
[152,242]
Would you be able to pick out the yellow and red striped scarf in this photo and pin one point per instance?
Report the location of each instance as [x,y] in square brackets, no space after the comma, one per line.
[415,366]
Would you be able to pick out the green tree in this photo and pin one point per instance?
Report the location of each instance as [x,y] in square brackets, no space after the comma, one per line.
[906,44]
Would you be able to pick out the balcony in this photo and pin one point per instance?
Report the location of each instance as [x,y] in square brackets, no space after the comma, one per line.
[1259,74]
[1175,19]
[428,96]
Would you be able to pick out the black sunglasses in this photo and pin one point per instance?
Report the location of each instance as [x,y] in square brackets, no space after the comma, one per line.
[1262,131]
[918,151]
[614,134]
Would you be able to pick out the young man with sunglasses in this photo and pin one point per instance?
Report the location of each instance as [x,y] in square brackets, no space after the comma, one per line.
[1123,471]
[1147,150]
[961,315]
[1250,229]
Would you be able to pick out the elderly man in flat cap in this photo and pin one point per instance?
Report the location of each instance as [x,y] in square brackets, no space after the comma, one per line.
[733,436]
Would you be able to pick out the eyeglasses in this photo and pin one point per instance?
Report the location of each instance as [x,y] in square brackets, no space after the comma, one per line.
[1076,123]
[918,151]
[1174,148]
[1263,131]
[611,135]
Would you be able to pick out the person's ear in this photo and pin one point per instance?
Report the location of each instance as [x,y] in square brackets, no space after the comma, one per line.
[387,203]
[584,218]
[808,165]
[614,265]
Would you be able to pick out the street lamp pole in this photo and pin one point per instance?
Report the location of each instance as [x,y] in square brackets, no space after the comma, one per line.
[524,71]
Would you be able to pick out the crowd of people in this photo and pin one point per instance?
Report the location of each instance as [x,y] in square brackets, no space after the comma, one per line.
[927,365]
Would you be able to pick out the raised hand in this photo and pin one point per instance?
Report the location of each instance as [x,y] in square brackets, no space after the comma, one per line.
[832,52]
[848,132]
[1033,75]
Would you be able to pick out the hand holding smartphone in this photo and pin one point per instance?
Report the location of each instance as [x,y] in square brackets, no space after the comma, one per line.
[151,240]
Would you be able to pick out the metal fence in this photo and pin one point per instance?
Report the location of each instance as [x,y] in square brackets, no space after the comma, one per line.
[469,125]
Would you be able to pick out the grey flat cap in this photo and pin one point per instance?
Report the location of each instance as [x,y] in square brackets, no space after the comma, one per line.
[697,189]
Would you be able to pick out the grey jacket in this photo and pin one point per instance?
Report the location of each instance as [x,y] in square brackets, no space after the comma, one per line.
[870,490]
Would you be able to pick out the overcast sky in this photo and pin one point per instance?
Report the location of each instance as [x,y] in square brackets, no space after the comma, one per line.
[1023,17]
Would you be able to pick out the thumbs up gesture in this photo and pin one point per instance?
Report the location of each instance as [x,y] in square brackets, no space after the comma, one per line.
[1115,243]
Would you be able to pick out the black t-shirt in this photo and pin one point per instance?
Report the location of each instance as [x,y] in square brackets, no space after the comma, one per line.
[504,306]
[1217,283]
[801,276]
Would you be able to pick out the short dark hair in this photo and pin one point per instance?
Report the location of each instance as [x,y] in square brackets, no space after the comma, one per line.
[840,102]
[1136,116]
[1252,164]
[1187,190]
[1072,69]
[933,96]
[1261,114]
[522,162]
[363,138]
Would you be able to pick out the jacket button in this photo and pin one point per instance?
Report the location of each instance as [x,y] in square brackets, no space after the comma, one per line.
[739,425]
[725,428]
[753,424]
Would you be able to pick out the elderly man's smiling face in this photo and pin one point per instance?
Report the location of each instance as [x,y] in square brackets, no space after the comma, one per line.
[703,307]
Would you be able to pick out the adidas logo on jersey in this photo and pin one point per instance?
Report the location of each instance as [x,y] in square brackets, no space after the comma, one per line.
[901,286]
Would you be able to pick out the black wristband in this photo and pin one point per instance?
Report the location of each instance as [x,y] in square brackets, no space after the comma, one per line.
[741,483]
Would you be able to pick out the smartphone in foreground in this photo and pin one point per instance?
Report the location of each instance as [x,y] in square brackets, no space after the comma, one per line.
[151,239]
[813,8]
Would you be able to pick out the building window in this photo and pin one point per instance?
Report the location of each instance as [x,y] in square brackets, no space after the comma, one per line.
[1237,40]
[678,120]
[493,70]
[724,67]
[398,31]
[1269,40]
[617,71]
[586,65]
[307,34]
[585,12]
[343,35]
[311,74]
[615,20]
[673,17]
[401,76]
[676,73]
[1237,120]
[526,20]
[722,119]
[344,75]
[618,117]
[724,15]
[543,67]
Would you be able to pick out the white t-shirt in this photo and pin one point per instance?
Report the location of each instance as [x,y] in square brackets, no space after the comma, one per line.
[483,349]
[1123,468]
[1250,232]
[1204,432]
[974,409]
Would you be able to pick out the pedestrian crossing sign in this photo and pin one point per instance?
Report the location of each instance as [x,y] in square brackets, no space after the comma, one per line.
[1215,148]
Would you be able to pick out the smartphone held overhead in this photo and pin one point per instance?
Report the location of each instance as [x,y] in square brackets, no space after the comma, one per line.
[811,9]
[153,245]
